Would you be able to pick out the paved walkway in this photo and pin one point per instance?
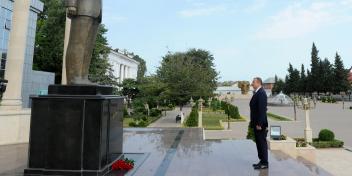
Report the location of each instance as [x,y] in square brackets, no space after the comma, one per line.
[170,119]
[330,116]
[182,151]
[336,161]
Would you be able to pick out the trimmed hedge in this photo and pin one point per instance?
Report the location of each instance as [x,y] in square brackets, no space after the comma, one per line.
[230,110]
[327,144]
[192,120]
[326,135]
[328,99]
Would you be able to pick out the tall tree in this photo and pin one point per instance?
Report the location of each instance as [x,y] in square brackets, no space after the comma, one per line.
[49,44]
[142,68]
[292,80]
[326,76]
[188,74]
[303,80]
[278,86]
[315,75]
[100,70]
[340,76]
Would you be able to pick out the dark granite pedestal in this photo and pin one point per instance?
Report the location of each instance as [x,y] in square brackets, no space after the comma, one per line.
[75,130]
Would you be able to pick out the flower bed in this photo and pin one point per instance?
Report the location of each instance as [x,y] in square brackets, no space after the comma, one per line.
[300,142]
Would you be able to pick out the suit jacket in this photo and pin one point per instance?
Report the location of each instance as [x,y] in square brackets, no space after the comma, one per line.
[258,106]
[91,8]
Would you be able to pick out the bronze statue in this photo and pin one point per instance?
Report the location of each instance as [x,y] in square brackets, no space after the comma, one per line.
[86,16]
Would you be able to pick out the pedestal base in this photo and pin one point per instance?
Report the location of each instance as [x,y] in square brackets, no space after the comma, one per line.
[308,134]
[75,134]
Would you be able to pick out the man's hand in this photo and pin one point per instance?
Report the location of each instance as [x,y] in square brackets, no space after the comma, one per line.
[258,127]
[71,11]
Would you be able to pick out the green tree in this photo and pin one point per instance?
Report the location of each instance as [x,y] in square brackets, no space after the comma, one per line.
[142,68]
[100,70]
[278,86]
[340,76]
[292,80]
[303,80]
[151,91]
[188,74]
[48,50]
[315,73]
[129,88]
[326,76]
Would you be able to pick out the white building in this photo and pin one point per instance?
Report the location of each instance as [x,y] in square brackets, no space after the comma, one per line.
[33,82]
[124,66]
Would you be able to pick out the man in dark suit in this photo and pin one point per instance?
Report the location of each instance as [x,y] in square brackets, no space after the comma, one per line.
[259,122]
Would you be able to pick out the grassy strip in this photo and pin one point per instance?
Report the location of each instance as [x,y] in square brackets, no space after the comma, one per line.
[277,117]
[126,121]
[320,144]
[211,120]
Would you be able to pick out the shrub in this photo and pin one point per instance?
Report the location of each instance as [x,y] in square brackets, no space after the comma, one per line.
[327,144]
[154,112]
[215,105]
[132,124]
[192,120]
[351,107]
[140,123]
[125,112]
[230,110]
[171,106]
[326,135]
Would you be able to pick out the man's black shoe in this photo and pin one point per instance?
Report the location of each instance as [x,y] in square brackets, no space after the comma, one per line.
[261,166]
[254,165]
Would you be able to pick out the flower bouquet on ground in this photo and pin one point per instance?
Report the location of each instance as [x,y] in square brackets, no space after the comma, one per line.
[123,165]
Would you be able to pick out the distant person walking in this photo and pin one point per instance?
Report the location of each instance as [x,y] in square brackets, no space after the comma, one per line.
[259,122]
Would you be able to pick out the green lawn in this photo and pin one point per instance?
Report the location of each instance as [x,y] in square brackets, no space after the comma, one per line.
[126,121]
[278,117]
[211,120]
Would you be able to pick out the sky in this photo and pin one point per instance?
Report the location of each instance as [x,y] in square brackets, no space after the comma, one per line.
[247,38]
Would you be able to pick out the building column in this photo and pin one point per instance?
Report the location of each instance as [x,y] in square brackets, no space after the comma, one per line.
[12,99]
[67,38]
[120,73]
[129,72]
[125,72]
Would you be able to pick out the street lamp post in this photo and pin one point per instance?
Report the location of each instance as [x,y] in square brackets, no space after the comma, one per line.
[228,112]
[294,105]
[200,113]
[343,99]
[305,104]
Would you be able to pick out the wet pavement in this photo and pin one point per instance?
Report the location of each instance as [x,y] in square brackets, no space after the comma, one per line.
[182,151]
[325,115]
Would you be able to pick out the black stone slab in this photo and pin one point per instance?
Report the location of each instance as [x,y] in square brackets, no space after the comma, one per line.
[75,134]
[80,90]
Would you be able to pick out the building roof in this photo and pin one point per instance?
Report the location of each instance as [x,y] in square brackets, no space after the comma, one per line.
[123,56]
[270,80]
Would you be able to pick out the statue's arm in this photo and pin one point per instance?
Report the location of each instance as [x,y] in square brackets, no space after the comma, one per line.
[71,3]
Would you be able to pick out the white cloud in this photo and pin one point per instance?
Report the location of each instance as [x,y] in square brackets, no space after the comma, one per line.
[297,20]
[202,10]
